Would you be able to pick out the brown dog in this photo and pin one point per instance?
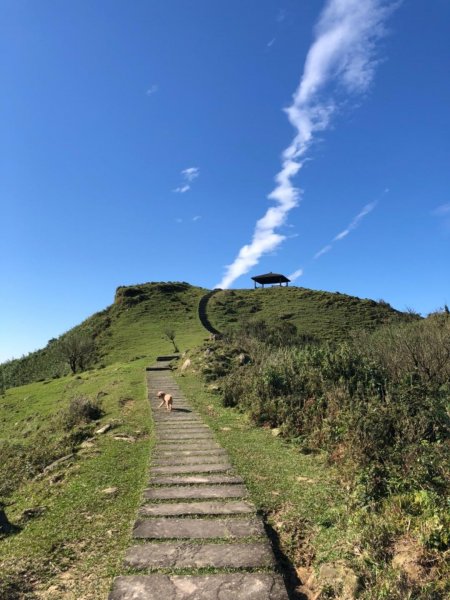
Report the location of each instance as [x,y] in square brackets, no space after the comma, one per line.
[166,399]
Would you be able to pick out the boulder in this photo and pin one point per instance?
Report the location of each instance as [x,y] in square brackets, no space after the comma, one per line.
[339,577]
[103,429]
[186,364]
[110,492]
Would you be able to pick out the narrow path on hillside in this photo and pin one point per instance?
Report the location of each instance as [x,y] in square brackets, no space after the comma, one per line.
[203,315]
[195,517]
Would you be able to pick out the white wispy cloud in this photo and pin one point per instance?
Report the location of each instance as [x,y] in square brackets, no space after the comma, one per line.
[340,60]
[355,222]
[344,233]
[352,225]
[295,275]
[191,173]
[188,175]
[182,189]
[271,43]
[323,251]
[152,89]
[196,218]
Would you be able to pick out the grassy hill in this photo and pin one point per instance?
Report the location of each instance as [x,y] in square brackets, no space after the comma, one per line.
[133,326]
[67,534]
[325,315]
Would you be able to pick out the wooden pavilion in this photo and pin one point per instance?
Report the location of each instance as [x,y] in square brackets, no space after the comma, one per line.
[270,278]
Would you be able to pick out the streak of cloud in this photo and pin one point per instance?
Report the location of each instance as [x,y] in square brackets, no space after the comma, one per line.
[188,176]
[182,189]
[323,251]
[340,60]
[295,275]
[191,173]
[354,224]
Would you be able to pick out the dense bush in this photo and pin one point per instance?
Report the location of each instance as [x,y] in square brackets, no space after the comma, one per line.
[81,410]
[377,405]
[388,427]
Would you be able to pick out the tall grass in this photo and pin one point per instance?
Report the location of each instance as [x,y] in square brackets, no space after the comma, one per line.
[377,404]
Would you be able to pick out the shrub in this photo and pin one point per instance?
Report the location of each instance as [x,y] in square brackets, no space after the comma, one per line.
[377,405]
[81,410]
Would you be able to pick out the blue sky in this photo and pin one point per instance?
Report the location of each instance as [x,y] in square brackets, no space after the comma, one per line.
[140,140]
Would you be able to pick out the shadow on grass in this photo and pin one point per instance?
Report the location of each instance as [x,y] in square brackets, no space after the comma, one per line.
[7,528]
[287,569]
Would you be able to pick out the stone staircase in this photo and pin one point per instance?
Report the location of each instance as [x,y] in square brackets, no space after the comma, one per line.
[197,536]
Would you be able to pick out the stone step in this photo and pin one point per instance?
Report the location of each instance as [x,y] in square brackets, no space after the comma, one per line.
[176,459]
[174,431]
[198,528]
[196,508]
[230,586]
[176,416]
[196,491]
[194,479]
[171,425]
[170,453]
[181,435]
[187,555]
[187,444]
[198,468]
[178,403]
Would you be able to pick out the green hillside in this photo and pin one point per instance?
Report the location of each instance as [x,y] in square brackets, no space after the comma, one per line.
[76,535]
[73,542]
[325,315]
[133,326]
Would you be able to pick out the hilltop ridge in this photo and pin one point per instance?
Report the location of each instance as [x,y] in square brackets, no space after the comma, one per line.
[140,314]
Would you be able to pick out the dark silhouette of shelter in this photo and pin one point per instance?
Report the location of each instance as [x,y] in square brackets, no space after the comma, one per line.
[270,278]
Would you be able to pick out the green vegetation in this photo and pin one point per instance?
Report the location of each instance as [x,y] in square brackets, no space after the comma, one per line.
[78,350]
[334,409]
[323,315]
[133,327]
[298,493]
[377,406]
[65,525]
[67,533]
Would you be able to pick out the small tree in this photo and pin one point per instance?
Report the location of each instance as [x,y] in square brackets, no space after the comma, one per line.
[170,335]
[77,350]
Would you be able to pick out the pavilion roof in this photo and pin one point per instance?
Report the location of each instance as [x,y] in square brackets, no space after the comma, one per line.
[271,278]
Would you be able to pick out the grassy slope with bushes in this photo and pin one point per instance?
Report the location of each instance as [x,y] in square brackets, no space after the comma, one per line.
[324,315]
[319,483]
[377,406]
[63,533]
